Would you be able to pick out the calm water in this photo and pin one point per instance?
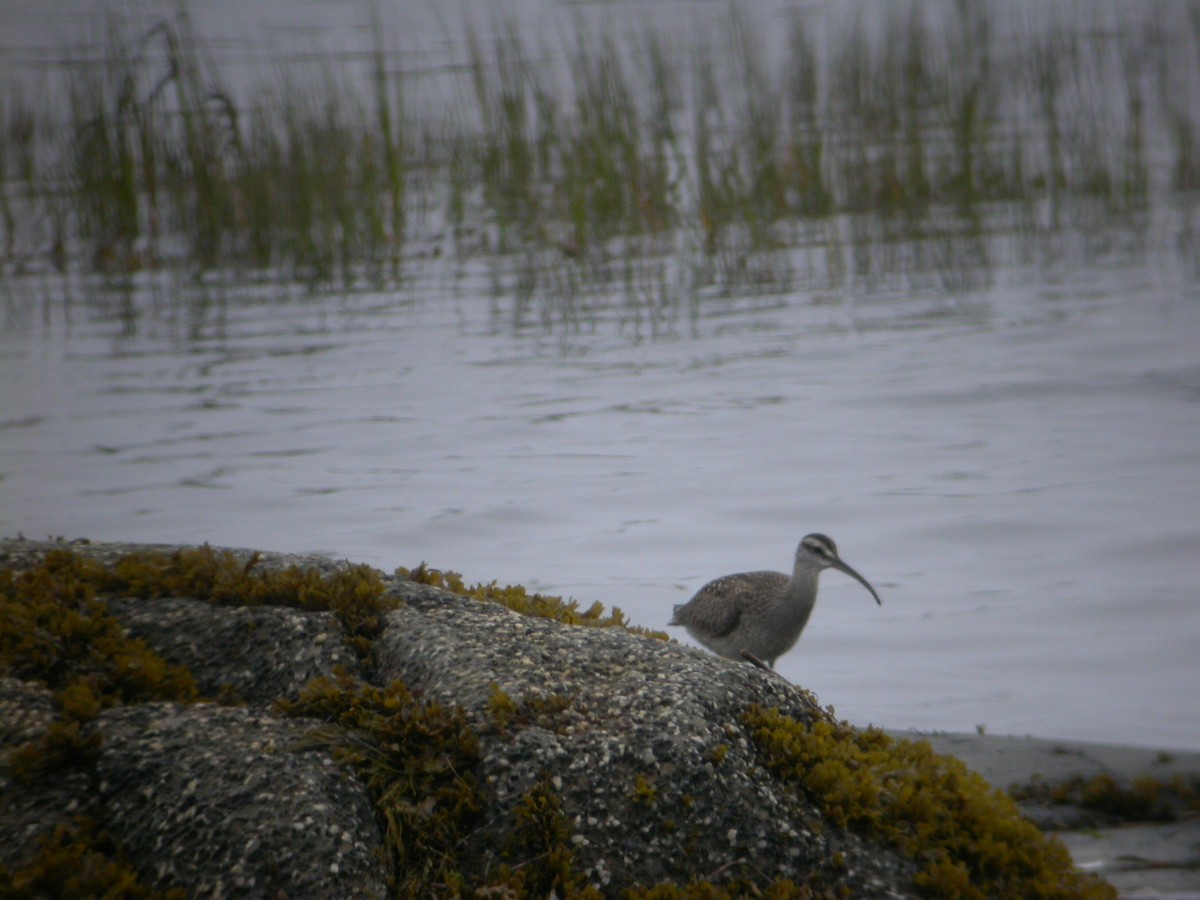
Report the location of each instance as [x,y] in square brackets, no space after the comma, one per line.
[1011,456]
[1015,467]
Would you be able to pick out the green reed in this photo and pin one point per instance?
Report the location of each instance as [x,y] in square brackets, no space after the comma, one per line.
[506,86]
[155,153]
[18,160]
[609,183]
[106,133]
[733,152]
[572,158]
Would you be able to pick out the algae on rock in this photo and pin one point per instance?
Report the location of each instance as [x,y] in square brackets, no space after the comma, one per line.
[436,745]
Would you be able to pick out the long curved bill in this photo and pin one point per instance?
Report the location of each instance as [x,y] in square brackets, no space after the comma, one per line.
[849,570]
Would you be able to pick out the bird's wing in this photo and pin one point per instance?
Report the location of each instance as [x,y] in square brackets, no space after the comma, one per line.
[717,607]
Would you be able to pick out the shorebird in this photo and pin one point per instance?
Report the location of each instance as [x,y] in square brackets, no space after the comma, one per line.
[759,615]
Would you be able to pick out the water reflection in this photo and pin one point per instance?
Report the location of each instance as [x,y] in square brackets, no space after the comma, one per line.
[861,262]
[727,148]
[988,397]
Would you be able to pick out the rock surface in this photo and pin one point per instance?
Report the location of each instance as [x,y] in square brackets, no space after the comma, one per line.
[636,711]
[253,655]
[641,741]
[227,802]
[639,738]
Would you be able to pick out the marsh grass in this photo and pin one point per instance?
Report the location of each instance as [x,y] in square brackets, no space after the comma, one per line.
[17,159]
[580,156]
[577,166]
[506,91]
[155,164]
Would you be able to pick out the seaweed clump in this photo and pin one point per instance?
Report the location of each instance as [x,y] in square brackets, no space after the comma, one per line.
[1145,799]
[356,596]
[545,712]
[54,630]
[517,598]
[969,839]
[541,846]
[78,859]
[418,761]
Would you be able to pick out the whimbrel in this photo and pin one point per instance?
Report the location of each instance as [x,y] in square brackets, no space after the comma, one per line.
[759,615]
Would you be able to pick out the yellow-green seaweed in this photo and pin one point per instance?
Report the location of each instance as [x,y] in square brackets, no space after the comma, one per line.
[78,859]
[356,596]
[643,793]
[543,711]
[1145,799]
[517,598]
[969,839]
[417,759]
[543,862]
[55,631]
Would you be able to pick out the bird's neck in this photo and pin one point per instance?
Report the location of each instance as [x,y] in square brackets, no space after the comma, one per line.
[803,584]
[805,576]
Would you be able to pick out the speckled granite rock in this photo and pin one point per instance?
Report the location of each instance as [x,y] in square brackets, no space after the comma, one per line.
[642,742]
[252,654]
[226,802]
[26,710]
[635,710]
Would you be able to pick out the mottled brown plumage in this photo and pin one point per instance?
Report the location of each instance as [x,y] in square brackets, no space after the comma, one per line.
[759,615]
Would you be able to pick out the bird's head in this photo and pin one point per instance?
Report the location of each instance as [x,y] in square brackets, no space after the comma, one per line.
[818,551]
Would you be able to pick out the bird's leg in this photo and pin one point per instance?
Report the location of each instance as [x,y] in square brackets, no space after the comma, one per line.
[762,664]
[750,657]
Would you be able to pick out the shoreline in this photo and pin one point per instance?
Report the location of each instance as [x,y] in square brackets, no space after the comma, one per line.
[1140,859]
[1005,759]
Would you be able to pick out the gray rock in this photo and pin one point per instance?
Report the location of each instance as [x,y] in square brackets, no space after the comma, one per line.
[229,803]
[29,811]
[254,654]
[26,711]
[640,741]
[637,711]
